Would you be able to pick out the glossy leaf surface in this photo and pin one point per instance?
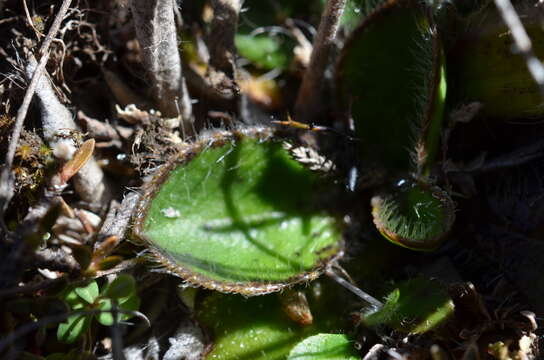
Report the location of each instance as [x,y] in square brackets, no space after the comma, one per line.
[88,293]
[122,286]
[415,307]
[242,216]
[324,346]
[75,326]
[257,328]
[264,51]
[129,303]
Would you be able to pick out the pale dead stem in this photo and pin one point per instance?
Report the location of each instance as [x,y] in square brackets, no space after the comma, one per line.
[6,177]
[309,96]
[117,222]
[56,121]
[522,41]
[156,31]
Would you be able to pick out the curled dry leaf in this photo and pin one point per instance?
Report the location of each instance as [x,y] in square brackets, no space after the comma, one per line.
[80,158]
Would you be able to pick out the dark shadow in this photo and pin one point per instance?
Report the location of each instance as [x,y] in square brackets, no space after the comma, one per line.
[230,177]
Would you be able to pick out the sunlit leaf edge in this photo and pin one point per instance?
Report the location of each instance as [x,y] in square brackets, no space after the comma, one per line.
[213,139]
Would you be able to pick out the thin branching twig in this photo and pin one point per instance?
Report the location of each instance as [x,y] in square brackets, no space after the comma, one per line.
[309,96]
[522,41]
[6,177]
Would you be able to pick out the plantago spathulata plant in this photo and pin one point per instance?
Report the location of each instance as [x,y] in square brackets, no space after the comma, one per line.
[391,74]
[238,212]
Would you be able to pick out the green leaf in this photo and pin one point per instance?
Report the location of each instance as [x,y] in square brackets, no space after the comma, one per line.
[484,66]
[356,10]
[258,39]
[89,293]
[414,215]
[75,326]
[72,299]
[105,317]
[129,303]
[265,51]
[324,346]
[388,74]
[415,307]
[122,286]
[239,214]
[257,328]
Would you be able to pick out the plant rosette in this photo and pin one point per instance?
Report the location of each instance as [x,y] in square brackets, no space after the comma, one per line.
[241,211]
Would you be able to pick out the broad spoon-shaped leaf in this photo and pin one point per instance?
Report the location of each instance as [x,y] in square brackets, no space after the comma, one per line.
[416,306]
[237,213]
[389,76]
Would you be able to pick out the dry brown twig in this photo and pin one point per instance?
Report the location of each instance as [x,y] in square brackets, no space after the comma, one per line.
[156,31]
[221,74]
[309,96]
[6,177]
[221,39]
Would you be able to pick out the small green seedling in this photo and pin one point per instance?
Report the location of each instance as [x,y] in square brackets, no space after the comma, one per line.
[93,303]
